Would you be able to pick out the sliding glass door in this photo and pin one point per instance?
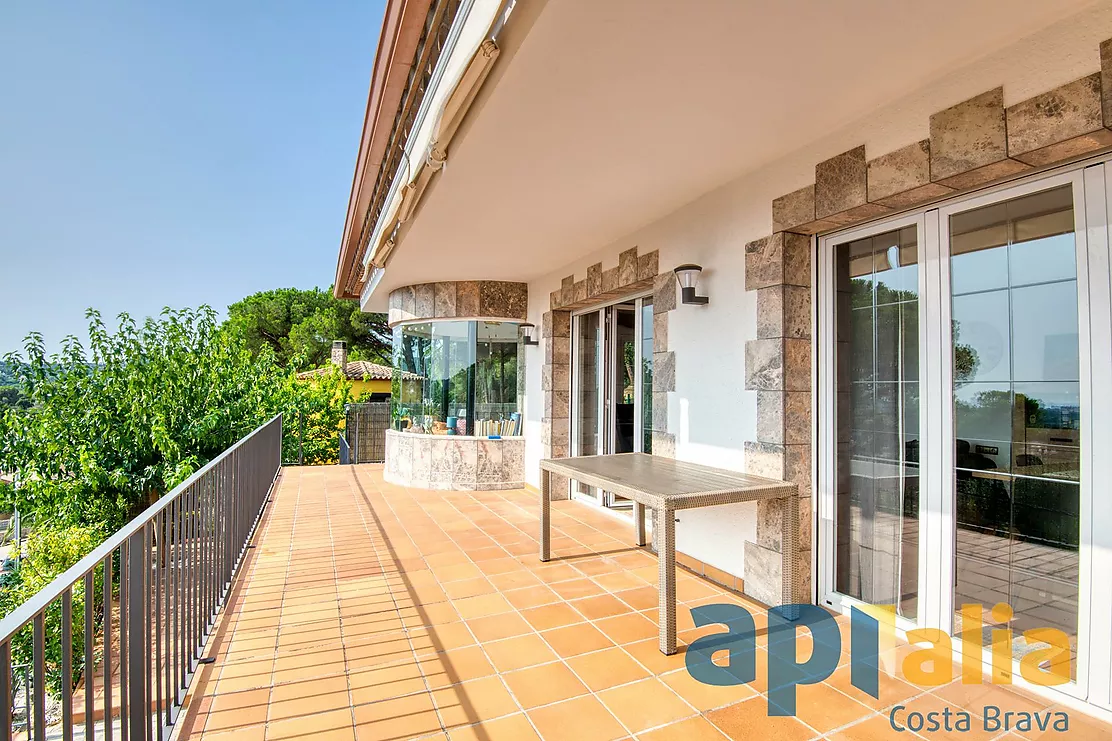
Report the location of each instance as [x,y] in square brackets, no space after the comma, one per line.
[876,354]
[964,382]
[612,385]
[1017,411]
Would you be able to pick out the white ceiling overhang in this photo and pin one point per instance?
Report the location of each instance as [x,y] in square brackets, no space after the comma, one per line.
[602,116]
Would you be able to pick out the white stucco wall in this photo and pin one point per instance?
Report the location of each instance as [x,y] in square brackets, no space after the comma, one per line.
[710,412]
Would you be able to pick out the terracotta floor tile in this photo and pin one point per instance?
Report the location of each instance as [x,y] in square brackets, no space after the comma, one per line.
[581,719]
[692,729]
[531,597]
[573,640]
[468,588]
[600,606]
[876,728]
[544,684]
[628,628]
[511,728]
[435,614]
[824,708]
[552,572]
[307,698]
[382,649]
[514,580]
[620,581]
[233,710]
[497,627]
[974,697]
[705,697]
[474,701]
[519,652]
[401,718]
[441,637]
[308,688]
[501,566]
[551,616]
[457,572]
[576,588]
[607,668]
[247,733]
[645,704]
[384,682]
[648,653]
[362,594]
[596,566]
[457,665]
[643,598]
[892,690]
[481,606]
[749,719]
[331,726]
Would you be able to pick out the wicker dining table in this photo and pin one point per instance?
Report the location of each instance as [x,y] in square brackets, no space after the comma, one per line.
[665,486]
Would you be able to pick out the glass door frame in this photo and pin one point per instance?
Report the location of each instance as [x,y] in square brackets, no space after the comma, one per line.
[827,414]
[941,479]
[605,418]
[1092,201]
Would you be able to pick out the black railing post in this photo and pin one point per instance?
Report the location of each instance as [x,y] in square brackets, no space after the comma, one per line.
[137,721]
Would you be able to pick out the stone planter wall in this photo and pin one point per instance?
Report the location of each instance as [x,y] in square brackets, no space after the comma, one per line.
[454,462]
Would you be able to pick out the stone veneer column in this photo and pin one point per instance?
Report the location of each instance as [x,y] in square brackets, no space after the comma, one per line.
[778,368]
[664,364]
[556,386]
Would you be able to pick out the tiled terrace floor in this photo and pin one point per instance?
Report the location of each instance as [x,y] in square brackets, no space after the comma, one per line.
[369,611]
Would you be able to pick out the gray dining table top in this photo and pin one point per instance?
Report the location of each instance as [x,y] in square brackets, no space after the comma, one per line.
[661,480]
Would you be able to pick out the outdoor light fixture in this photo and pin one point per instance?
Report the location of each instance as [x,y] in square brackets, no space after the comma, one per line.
[527,334]
[688,277]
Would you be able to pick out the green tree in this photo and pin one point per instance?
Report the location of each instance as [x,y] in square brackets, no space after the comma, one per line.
[111,428]
[299,326]
[11,396]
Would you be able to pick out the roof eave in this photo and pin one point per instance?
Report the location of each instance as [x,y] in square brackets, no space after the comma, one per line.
[402,26]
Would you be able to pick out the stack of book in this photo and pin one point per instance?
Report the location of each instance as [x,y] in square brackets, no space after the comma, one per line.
[500,427]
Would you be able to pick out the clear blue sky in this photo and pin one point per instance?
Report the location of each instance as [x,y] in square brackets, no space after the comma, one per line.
[173,153]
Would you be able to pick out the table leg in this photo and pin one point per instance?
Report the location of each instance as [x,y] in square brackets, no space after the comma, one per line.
[664,524]
[639,523]
[546,515]
[789,545]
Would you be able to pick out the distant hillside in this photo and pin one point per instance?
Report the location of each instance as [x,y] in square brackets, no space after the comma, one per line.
[7,377]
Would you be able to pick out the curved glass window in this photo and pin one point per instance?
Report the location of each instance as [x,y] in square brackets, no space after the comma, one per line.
[456,378]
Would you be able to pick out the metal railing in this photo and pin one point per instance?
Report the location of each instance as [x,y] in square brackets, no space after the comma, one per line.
[146,601]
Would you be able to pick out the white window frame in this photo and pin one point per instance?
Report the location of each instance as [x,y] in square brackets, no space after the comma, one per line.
[827,417]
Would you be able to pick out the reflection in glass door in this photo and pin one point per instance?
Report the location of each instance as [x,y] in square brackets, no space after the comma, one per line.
[876,356]
[612,385]
[1017,412]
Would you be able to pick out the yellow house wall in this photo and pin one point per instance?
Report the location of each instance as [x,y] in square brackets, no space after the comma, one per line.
[358,388]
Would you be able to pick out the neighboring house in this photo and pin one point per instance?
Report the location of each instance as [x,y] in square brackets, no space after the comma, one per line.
[369,381]
[901,212]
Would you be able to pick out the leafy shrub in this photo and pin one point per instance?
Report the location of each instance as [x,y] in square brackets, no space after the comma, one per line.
[50,551]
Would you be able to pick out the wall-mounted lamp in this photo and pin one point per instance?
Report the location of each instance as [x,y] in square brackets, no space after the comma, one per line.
[527,334]
[688,277]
